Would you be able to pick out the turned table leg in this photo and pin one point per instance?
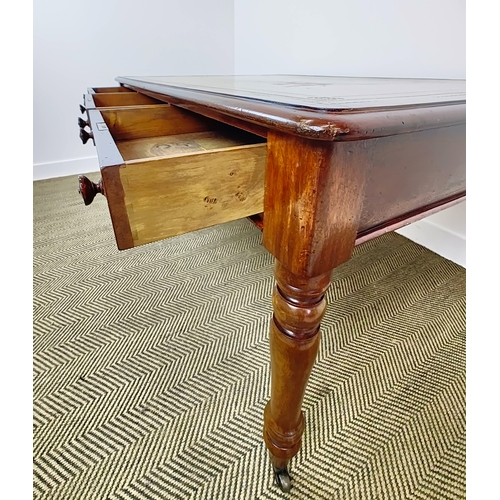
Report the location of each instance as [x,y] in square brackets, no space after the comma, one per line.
[312,203]
[299,305]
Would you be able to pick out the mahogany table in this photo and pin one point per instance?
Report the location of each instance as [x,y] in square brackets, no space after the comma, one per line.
[322,163]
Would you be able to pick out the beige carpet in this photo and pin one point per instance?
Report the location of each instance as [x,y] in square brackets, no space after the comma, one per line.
[151,366]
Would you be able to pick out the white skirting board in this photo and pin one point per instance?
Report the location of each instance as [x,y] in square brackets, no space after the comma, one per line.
[440,240]
[65,167]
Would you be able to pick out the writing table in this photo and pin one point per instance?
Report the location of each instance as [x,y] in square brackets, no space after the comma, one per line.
[322,163]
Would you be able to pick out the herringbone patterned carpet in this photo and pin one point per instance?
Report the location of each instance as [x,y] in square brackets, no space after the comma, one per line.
[151,367]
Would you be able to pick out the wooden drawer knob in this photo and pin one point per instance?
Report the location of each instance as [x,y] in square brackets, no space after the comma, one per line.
[82,123]
[82,109]
[85,136]
[89,189]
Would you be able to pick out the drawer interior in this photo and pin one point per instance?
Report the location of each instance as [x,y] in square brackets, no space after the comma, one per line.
[167,146]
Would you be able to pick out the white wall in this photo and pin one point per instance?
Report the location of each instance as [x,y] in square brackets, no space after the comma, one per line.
[444,233]
[82,44]
[392,38]
[400,38]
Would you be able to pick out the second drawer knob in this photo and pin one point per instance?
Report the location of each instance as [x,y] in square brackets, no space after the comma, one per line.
[85,136]
[82,123]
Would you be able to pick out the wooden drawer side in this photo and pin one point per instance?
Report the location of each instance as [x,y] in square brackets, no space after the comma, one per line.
[166,197]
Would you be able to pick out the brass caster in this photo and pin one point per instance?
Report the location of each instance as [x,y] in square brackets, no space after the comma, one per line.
[282,479]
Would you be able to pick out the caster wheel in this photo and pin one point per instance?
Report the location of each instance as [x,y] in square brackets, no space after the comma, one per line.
[282,479]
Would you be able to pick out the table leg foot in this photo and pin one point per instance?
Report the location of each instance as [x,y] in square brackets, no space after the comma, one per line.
[282,479]
[281,473]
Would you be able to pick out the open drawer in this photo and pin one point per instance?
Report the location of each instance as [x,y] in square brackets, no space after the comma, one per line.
[166,171]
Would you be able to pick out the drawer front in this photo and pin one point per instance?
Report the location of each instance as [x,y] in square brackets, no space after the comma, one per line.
[166,171]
